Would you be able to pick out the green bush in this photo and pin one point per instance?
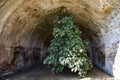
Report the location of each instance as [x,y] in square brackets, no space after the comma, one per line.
[67,48]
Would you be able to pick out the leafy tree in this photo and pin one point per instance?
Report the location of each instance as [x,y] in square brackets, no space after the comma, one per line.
[67,48]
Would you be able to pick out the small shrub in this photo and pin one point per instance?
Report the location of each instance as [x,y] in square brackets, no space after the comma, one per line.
[67,48]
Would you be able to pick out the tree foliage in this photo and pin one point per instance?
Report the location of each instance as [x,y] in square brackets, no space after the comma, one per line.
[67,48]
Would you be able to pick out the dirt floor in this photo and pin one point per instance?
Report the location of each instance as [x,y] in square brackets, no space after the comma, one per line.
[44,73]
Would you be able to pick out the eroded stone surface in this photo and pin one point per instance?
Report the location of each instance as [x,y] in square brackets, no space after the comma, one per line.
[27,24]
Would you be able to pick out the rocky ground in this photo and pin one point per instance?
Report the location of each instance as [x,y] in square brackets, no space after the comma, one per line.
[44,73]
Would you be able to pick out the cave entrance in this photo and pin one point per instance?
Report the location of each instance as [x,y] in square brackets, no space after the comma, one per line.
[33,46]
[32,56]
[41,37]
[28,23]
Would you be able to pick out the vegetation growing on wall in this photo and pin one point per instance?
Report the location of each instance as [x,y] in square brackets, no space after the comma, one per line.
[67,48]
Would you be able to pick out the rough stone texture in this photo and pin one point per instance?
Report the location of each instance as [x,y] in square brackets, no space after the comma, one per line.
[26,31]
